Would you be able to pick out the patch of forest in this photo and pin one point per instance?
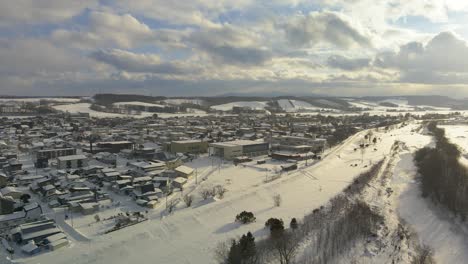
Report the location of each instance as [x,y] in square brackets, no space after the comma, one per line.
[444,180]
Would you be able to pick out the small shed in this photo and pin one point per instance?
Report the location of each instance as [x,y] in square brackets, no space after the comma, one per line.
[152,204]
[58,244]
[89,208]
[179,182]
[184,171]
[30,248]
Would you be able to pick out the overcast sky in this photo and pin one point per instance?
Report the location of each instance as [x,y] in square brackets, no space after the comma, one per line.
[212,47]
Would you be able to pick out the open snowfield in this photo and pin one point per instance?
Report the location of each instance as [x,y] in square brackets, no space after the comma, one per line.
[84,108]
[296,105]
[185,101]
[229,106]
[403,105]
[189,234]
[458,134]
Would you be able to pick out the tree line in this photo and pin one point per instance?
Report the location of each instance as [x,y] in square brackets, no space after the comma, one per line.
[443,178]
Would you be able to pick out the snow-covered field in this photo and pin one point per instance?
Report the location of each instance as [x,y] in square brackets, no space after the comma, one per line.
[84,108]
[229,106]
[402,105]
[435,228]
[185,101]
[458,134]
[296,105]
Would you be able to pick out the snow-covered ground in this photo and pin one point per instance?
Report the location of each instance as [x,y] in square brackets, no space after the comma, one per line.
[229,106]
[401,106]
[296,105]
[458,134]
[185,101]
[84,108]
[434,227]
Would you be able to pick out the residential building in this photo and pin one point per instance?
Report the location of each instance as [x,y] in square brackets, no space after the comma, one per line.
[72,162]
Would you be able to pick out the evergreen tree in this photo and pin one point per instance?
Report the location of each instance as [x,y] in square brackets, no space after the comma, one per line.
[247,246]
[234,256]
[293,224]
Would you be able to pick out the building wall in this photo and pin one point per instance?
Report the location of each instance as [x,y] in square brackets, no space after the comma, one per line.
[6,206]
[74,164]
[227,152]
[189,147]
[296,141]
[54,153]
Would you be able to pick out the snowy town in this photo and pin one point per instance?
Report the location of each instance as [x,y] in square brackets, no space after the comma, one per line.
[74,185]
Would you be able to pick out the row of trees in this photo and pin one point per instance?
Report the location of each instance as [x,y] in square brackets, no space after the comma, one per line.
[443,179]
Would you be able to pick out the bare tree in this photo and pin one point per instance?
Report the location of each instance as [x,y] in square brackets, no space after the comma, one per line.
[277,200]
[188,199]
[171,205]
[285,247]
[221,252]
[206,193]
[219,191]
[424,256]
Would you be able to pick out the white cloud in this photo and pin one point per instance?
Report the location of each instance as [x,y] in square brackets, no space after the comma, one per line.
[17,12]
[329,27]
[444,59]
[109,30]
[39,57]
[193,12]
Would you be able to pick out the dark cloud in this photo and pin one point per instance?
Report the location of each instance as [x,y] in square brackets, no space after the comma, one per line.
[230,45]
[323,27]
[141,63]
[348,64]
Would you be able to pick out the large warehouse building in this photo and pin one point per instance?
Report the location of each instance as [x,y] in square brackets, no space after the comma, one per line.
[231,149]
[188,146]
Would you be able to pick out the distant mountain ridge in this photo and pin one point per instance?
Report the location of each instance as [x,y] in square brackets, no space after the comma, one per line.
[318,101]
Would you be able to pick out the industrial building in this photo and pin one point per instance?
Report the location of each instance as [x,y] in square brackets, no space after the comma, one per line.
[231,149]
[188,146]
[298,144]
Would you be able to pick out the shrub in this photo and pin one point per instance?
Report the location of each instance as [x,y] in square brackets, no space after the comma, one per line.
[293,224]
[276,225]
[277,200]
[245,217]
[188,199]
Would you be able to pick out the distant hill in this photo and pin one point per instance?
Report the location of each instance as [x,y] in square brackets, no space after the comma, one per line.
[109,99]
[293,103]
[425,100]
